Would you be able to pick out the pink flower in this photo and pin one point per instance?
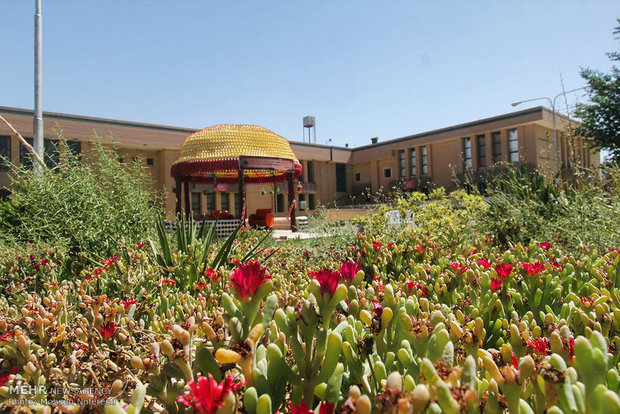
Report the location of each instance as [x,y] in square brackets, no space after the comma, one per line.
[247,278]
[545,245]
[484,263]
[496,284]
[377,308]
[348,270]
[533,268]
[328,280]
[503,270]
[377,245]
[206,396]
[108,330]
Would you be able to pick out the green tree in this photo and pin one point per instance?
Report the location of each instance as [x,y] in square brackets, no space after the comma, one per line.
[600,118]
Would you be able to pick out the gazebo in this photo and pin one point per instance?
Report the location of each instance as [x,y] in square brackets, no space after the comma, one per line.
[228,154]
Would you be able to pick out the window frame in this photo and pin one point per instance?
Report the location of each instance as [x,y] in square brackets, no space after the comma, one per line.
[496,146]
[424,160]
[481,147]
[513,133]
[467,159]
[413,162]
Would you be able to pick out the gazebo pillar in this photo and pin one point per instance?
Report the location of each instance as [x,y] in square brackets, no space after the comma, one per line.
[177,191]
[241,197]
[291,199]
[188,204]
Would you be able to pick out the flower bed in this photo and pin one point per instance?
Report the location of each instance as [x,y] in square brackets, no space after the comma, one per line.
[411,324]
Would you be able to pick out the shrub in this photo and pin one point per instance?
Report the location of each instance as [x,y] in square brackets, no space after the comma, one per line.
[85,206]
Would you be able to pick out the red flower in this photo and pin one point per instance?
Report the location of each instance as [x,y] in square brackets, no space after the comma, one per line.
[140,245]
[110,261]
[4,377]
[300,409]
[456,266]
[545,245]
[200,286]
[615,250]
[212,274]
[554,264]
[7,335]
[533,268]
[377,245]
[127,303]
[503,270]
[419,249]
[587,301]
[496,284]
[389,245]
[484,263]
[515,363]
[247,278]
[409,284]
[108,330]
[328,280]
[206,396]
[326,407]
[571,348]
[44,262]
[167,282]
[539,345]
[348,270]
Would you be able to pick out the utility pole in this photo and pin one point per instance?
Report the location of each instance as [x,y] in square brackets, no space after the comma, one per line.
[38,82]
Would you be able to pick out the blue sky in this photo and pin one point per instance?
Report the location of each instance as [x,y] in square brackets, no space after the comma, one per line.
[363,68]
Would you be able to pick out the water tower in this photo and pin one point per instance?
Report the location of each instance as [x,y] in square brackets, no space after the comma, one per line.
[310,125]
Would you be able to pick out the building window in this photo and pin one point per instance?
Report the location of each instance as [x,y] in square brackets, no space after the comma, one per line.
[5,152]
[424,160]
[513,145]
[238,206]
[401,162]
[150,161]
[302,202]
[280,203]
[387,173]
[496,137]
[210,202]
[310,171]
[25,158]
[358,177]
[413,162]
[482,151]
[224,205]
[134,159]
[196,207]
[311,201]
[467,153]
[341,178]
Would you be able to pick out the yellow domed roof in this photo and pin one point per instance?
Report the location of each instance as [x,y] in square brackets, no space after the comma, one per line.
[214,152]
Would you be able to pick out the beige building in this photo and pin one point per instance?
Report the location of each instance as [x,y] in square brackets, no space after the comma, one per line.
[330,174]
